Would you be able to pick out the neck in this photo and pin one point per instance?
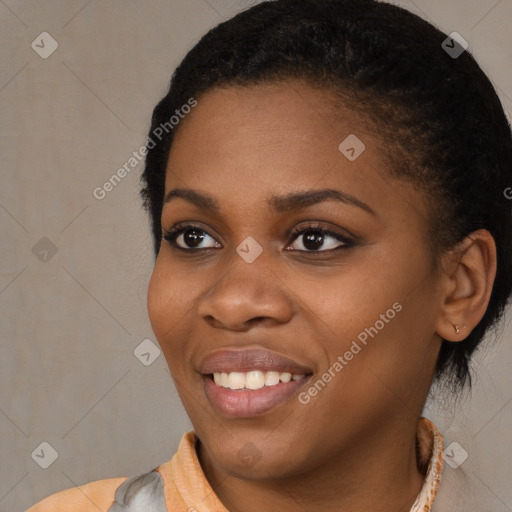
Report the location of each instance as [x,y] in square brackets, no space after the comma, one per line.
[380,475]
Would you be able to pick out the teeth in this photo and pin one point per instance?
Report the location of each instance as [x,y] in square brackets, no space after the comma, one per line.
[254,379]
[236,380]
[286,377]
[272,378]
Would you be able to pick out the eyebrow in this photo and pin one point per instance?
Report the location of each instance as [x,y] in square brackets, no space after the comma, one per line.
[280,204]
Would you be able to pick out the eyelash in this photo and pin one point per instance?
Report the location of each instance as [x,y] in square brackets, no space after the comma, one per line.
[175,231]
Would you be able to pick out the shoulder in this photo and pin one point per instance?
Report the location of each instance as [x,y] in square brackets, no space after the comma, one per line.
[143,492]
[94,496]
[147,492]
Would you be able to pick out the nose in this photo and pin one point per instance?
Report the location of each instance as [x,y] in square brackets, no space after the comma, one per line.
[247,293]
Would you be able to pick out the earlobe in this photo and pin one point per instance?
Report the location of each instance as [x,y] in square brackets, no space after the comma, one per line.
[458,327]
[467,285]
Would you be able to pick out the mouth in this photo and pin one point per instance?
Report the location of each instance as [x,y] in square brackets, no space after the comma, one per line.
[243,383]
[251,396]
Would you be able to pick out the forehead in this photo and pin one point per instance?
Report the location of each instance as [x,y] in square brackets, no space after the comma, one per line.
[245,144]
[287,131]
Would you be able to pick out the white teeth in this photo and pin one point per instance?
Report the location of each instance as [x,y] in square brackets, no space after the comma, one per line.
[272,378]
[286,377]
[254,379]
[236,380]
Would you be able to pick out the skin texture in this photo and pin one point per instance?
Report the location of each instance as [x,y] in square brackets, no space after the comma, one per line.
[242,145]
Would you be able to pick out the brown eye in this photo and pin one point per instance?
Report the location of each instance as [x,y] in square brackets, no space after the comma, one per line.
[318,239]
[188,237]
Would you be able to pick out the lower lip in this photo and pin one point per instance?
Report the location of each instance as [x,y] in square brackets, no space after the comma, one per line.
[241,403]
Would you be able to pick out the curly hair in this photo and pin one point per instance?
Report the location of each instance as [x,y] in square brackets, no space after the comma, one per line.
[438,118]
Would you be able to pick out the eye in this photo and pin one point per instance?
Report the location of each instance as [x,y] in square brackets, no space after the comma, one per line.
[314,237]
[188,237]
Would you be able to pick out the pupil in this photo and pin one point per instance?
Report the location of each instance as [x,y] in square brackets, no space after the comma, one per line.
[193,239]
[313,241]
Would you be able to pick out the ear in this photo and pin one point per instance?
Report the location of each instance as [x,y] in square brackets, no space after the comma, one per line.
[466,283]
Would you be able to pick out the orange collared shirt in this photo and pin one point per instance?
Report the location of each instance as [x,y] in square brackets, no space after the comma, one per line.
[186,488]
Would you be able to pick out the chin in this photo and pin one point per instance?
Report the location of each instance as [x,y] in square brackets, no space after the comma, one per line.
[269,466]
[252,456]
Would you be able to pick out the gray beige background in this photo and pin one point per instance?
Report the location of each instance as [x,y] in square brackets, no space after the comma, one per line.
[74,269]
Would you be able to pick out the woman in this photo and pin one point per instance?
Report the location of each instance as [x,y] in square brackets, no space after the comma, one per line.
[325,180]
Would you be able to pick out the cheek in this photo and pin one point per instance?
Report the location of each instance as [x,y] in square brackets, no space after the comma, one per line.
[164,313]
[172,296]
[385,300]
[343,304]
[167,302]
[156,303]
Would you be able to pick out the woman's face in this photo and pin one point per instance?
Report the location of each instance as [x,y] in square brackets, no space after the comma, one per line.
[354,309]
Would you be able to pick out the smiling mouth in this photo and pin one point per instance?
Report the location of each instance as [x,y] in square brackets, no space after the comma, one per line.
[250,396]
[251,381]
[254,379]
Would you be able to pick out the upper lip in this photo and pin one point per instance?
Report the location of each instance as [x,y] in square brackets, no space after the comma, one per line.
[247,359]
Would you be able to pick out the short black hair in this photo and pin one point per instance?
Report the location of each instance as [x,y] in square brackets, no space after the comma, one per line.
[441,123]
